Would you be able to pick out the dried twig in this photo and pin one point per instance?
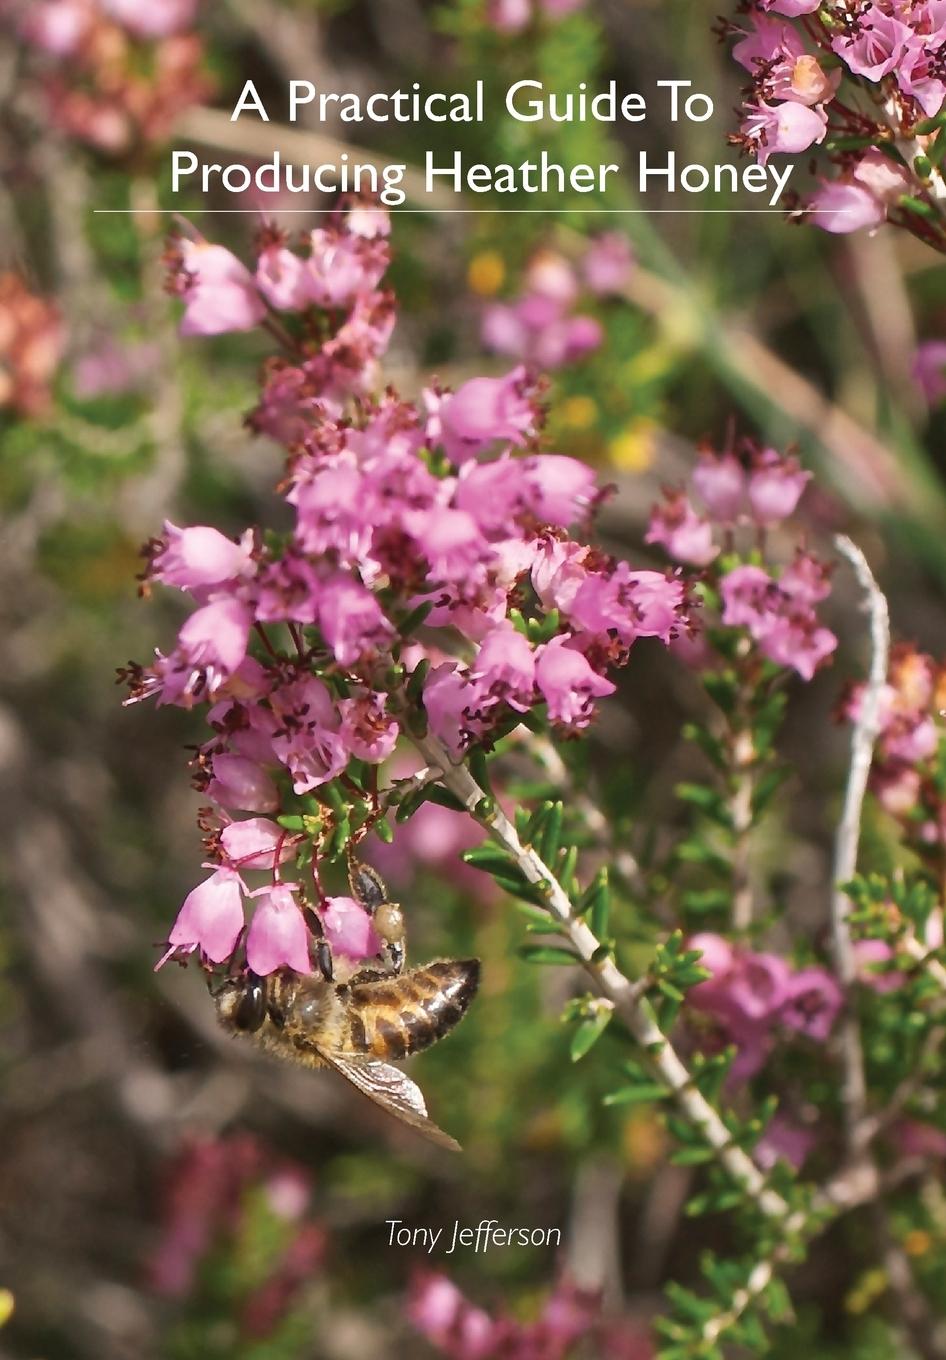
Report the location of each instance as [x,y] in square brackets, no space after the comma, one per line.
[847,841]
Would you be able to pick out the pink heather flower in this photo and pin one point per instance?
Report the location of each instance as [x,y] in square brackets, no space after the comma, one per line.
[581,335]
[210,647]
[288,1192]
[747,595]
[717,956]
[344,266]
[498,492]
[241,784]
[367,729]
[799,642]
[809,83]
[897,790]
[785,1141]
[877,46]
[812,1002]
[505,667]
[929,370]
[450,541]
[870,957]
[219,293]
[551,275]
[790,128]
[719,480]
[348,928]
[277,937]
[911,738]
[759,985]
[840,208]
[684,534]
[776,484]
[881,176]
[453,704]
[484,410]
[307,740]
[568,683]
[805,580]
[157,19]
[256,843]
[210,919]
[658,601]
[557,573]
[351,619]
[916,78]
[57,26]
[562,489]
[916,1139]
[195,558]
[790,8]
[508,16]
[607,264]
[448,1320]
[770,41]
[630,603]
[283,279]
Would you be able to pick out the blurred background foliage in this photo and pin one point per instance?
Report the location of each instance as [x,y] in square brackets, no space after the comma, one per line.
[116,1086]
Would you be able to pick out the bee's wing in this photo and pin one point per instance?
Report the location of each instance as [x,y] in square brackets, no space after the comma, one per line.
[388,1087]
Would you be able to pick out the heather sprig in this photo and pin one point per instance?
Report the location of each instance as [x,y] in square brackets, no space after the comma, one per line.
[862,85]
[437,578]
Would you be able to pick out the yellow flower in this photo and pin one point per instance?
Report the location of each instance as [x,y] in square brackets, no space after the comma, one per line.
[917,1242]
[486,272]
[634,448]
[578,412]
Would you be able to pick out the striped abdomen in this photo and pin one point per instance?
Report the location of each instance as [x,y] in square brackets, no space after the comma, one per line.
[397,1016]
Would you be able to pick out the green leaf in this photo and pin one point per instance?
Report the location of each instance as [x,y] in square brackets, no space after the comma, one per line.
[547,953]
[643,1093]
[765,790]
[489,857]
[415,685]
[707,800]
[596,903]
[414,619]
[551,834]
[589,1031]
[479,768]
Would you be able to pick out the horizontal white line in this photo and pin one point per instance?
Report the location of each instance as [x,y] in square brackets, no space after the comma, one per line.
[498,212]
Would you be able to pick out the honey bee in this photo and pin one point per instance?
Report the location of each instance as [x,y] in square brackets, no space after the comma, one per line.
[355,1025]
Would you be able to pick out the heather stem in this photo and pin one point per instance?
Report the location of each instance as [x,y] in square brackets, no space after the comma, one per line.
[866,730]
[740,810]
[627,997]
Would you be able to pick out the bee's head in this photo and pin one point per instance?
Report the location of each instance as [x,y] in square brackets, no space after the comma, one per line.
[241,1002]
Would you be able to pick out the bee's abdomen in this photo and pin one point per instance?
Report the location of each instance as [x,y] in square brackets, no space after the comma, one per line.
[402,1015]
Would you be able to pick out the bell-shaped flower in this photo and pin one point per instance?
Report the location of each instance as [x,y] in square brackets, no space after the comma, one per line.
[348,928]
[210,919]
[568,683]
[199,557]
[218,291]
[277,937]
[720,481]
[241,784]
[256,843]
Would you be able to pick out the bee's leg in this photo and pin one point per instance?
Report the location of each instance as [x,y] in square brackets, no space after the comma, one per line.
[236,965]
[368,888]
[320,951]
